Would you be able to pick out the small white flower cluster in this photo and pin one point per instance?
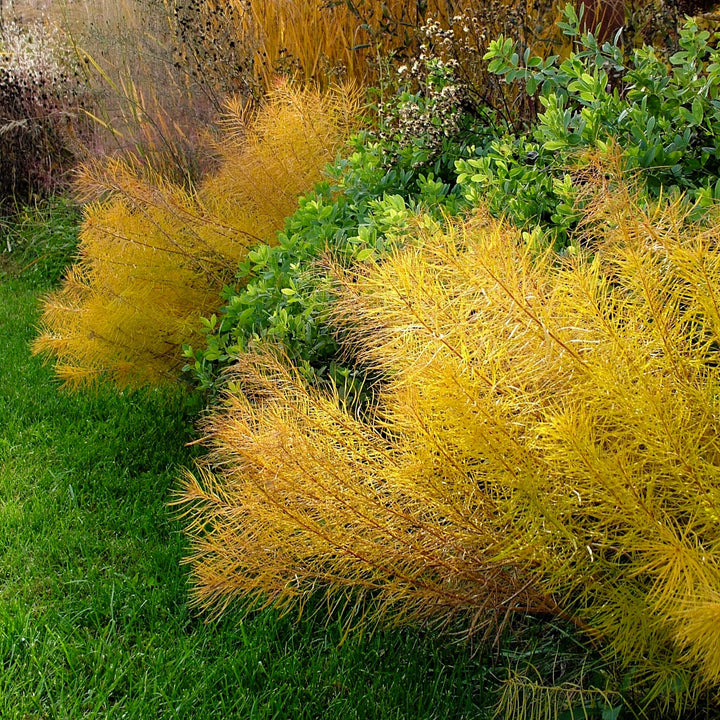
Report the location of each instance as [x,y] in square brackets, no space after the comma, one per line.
[40,92]
[473,31]
[470,34]
[432,107]
[36,70]
[32,50]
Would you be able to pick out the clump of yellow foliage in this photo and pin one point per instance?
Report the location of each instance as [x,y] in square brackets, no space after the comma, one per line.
[547,439]
[154,257]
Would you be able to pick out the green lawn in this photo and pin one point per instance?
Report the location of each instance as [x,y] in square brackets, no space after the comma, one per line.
[94,618]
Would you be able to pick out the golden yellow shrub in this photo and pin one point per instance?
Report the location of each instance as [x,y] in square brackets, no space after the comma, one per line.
[546,440]
[284,148]
[583,395]
[153,257]
[309,497]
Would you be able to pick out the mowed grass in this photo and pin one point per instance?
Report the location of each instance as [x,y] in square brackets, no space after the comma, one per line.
[94,617]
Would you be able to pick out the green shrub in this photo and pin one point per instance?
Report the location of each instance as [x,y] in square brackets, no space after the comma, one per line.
[665,119]
[366,206]
[434,149]
[285,293]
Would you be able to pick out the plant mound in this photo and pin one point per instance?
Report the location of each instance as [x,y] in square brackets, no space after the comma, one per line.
[546,440]
[154,257]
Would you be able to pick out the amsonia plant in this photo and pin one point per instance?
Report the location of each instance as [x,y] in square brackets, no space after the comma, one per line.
[545,441]
[154,258]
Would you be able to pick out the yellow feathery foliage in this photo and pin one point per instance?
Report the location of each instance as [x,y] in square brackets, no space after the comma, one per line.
[548,428]
[586,393]
[256,155]
[143,282]
[153,257]
[309,497]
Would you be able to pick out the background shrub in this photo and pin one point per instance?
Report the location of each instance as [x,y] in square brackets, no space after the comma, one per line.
[657,22]
[40,98]
[593,100]
[157,70]
[321,42]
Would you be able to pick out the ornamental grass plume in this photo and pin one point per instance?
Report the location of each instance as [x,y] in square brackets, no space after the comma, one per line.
[40,98]
[154,257]
[267,160]
[545,440]
[320,42]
